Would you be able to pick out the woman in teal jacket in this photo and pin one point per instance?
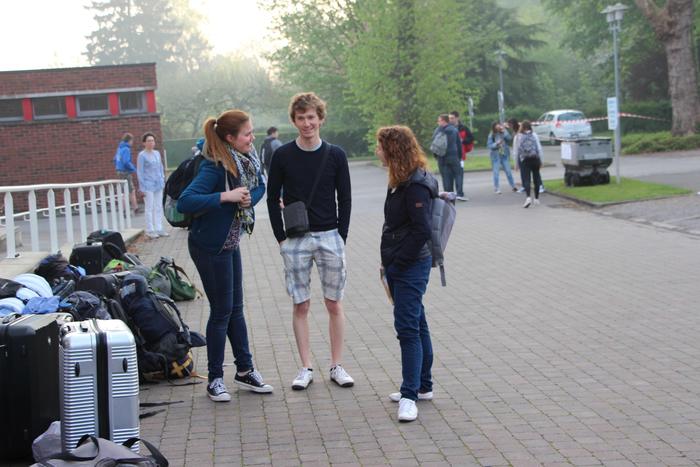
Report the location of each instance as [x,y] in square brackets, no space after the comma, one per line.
[222,195]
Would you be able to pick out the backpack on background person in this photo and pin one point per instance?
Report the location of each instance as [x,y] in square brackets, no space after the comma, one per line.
[438,145]
[527,149]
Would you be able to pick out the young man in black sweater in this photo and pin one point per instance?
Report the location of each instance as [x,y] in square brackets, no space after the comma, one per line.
[292,175]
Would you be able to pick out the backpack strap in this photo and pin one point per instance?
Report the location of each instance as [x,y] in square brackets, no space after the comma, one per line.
[156,455]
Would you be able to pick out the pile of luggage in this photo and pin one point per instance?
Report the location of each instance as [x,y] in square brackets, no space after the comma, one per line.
[77,337]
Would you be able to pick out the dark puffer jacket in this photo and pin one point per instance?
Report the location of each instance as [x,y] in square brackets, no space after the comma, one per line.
[407,215]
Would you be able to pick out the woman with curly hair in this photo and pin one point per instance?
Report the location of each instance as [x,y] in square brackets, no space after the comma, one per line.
[406,259]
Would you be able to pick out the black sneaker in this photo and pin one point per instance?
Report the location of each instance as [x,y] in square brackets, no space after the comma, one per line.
[252,381]
[217,391]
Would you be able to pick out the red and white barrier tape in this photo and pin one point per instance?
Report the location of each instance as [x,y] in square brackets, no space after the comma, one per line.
[597,119]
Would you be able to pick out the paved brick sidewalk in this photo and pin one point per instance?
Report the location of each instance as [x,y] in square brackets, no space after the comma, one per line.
[563,337]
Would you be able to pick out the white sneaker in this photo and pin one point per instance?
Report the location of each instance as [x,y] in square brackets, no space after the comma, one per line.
[217,391]
[528,202]
[163,233]
[462,198]
[151,234]
[537,202]
[303,379]
[422,396]
[341,377]
[407,410]
[497,191]
[542,190]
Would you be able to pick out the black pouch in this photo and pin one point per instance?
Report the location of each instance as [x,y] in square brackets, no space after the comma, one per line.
[295,215]
[296,219]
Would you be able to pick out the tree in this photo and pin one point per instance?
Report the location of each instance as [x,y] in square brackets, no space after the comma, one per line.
[642,44]
[319,36]
[485,27]
[186,99]
[132,31]
[673,26]
[402,69]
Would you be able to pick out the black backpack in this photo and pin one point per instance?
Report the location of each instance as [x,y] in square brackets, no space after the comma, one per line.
[163,340]
[53,268]
[175,185]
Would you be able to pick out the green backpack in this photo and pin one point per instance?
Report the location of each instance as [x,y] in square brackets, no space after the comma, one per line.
[181,287]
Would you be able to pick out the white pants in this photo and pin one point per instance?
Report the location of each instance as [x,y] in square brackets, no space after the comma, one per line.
[154,210]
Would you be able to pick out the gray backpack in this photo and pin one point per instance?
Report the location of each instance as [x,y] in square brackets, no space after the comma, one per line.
[528,147]
[439,144]
[92,451]
[443,218]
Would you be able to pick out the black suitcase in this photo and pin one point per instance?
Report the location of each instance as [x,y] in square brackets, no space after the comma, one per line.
[107,236]
[29,381]
[92,257]
[106,285]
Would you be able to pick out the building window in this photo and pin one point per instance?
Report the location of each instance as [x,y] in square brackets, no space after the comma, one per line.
[49,107]
[131,102]
[10,110]
[92,105]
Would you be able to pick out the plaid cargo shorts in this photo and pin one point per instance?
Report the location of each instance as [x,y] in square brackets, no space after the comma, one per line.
[328,251]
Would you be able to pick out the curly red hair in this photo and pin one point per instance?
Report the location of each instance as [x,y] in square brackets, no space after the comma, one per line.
[402,153]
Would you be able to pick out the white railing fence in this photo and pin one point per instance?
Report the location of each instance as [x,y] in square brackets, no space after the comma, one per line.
[104,197]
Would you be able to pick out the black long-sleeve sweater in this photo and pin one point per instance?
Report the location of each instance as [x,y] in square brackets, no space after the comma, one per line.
[293,171]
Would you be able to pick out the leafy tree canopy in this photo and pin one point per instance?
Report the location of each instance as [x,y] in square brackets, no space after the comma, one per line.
[133,31]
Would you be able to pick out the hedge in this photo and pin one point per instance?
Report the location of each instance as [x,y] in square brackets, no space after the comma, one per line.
[658,142]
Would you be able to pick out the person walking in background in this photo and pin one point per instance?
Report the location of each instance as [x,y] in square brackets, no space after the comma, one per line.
[125,168]
[513,126]
[293,171]
[498,143]
[227,186]
[450,169]
[268,148]
[528,150]
[466,138]
[465,135]
[151,176]
[406,260]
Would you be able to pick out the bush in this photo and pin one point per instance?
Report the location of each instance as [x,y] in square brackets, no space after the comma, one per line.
[639,143]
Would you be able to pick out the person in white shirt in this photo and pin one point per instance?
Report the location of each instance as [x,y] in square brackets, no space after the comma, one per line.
[151,176]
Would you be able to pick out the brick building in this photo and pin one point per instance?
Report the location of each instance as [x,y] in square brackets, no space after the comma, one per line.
[63,125]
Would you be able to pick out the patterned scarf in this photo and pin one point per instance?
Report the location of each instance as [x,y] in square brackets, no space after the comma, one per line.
[248,168]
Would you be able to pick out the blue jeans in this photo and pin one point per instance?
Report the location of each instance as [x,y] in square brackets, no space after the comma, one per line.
[452,175]
[498,161]
[407,289]
[222,278]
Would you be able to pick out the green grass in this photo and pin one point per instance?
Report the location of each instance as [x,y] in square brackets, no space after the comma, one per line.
[628,190]
[472,164]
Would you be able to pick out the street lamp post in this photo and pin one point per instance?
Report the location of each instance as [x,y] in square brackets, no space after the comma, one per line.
[501,105]
[613,14]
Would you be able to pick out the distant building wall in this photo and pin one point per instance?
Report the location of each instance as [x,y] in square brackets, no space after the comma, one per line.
[64,125]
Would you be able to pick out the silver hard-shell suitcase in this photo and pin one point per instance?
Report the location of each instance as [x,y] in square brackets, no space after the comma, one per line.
[99,382]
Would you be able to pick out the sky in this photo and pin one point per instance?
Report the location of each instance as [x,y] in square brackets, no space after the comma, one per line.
[51,33]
